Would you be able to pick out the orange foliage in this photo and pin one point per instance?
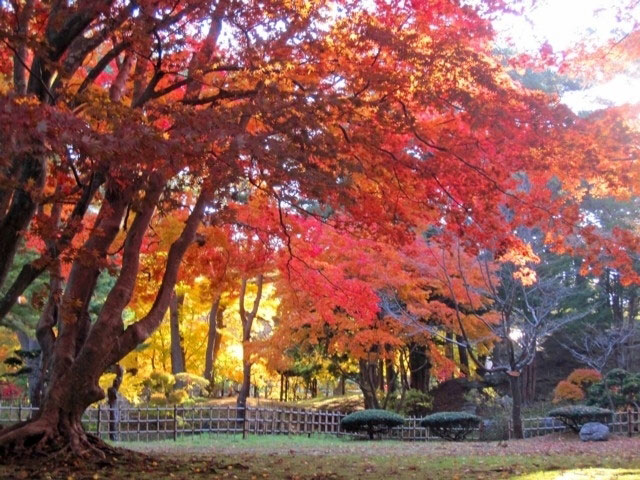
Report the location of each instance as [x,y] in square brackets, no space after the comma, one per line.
[573,388]
[567,391]
[583,377]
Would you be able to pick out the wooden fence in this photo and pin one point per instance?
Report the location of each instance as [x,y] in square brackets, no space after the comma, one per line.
[171,422]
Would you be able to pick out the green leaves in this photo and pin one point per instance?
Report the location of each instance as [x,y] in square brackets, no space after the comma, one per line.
[371,420]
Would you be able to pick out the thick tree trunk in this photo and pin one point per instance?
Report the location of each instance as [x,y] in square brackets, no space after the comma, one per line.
[419,366]
[516,409]
[58,425]
[368,382]
[177,352]
[73,385]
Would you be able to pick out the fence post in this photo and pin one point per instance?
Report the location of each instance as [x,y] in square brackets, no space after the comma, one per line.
[175,423]
[20,410]
[629,424]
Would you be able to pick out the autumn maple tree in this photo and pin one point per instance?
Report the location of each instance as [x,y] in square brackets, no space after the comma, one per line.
[382,120]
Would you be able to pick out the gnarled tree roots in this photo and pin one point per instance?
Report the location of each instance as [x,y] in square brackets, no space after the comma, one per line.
[65,440]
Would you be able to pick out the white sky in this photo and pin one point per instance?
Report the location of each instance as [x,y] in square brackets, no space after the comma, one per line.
[562,23]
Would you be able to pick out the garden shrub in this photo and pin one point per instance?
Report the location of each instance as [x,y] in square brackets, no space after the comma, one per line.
[371,421]
[158,399]
[414,403]
[178,397]
[584,377]
[566,391]
[575,416]
[573,389]
[451,425]
[159,382]
[618,389]
[195,385]
[417,403]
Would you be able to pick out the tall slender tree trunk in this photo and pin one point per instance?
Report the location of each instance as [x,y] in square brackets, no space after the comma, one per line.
[216,315]
[528,383]
[177,350]
[247,323]
[464,357]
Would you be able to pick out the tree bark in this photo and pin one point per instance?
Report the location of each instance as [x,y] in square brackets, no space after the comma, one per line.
[419,366]
[391,376]
[177,351]
[247,323]
[528,383]
[516,409]
[216,316]
[462,353]
[367,380]
[74,382]
[22,208]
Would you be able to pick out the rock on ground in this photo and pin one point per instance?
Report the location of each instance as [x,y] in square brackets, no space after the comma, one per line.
[594,432]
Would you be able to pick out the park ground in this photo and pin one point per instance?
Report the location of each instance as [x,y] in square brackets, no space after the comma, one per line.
[329,458]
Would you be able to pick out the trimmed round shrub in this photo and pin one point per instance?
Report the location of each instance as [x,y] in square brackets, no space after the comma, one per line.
[453,426]
[371,421]
[576,416]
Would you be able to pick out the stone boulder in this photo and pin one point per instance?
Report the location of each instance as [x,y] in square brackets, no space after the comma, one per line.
[594,432]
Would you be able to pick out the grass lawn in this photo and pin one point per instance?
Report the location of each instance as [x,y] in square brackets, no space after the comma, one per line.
[330,458]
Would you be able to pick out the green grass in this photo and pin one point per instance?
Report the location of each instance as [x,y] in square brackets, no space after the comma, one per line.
[328,458]
[251,442]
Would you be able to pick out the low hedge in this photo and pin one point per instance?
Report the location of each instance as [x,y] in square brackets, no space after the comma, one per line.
[371,421]
[451,425]
[575,416]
